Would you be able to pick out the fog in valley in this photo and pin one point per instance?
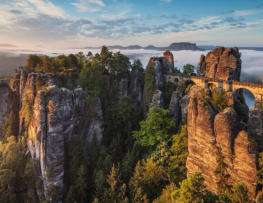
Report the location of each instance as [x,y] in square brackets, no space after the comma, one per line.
[252,68]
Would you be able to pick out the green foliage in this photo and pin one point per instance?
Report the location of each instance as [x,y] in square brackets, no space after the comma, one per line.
[177,71]
[78,191]
[76,165]
[157,128]
[90,78]
[148,179]
[188,70]
[149,85]
[16,172]
[240,193]
[27,110]
[193,190]
[168,89]
[167,194]
[11,125]
[119,64]
[221,173]
[260,171]
[179,152]
[120,121]
[32,62]
[58,64]
[218,100]
[136,64]
[116,191]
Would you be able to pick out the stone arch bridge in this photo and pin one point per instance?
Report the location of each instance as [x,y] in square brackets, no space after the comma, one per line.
[226,85]
[231,86]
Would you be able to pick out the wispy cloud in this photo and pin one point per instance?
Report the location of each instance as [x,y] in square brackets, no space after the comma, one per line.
[89,5]
[48,8]
[248,12]
[166,1]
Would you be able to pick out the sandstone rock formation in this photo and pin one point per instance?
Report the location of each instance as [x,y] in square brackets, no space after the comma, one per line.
[201,138]
[169,62]
[49,116]
[255,126]
[136,87]
[209,133]
[53,122]
[221,63]
[5,101]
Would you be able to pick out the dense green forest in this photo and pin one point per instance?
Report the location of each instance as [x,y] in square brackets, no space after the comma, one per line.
[142,157]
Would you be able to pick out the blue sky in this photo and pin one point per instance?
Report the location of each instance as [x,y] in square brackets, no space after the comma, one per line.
[58,24]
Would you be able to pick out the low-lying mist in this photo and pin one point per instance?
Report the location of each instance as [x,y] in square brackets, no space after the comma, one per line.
[252,61]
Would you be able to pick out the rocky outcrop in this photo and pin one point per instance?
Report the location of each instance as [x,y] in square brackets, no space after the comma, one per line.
[175,109]
[136,87]
[157,99]
[53,121]
[50,116]
[5,101]
[255,126]
[161,67]
[221,63]
[168,62]
[244,162]
[201,138]
[211,133]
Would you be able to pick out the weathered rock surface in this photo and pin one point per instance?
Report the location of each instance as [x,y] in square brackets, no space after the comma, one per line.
[50,116]
[255,126]
[221,63]
[157,99]
[136,87]
[5,101]
[210,132]
[184,108]
[201,138]
[175,109]
[244,162]
[168,62]
[54,119]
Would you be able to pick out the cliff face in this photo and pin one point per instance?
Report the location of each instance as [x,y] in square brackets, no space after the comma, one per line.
[50,115]
[201,138]
[5,100]
[221,63]
[211,133]
[233,134]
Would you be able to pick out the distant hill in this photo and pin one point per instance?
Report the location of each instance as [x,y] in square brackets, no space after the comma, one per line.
[177,46]
[210,47]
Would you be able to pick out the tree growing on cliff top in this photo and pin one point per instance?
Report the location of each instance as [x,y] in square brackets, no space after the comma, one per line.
[188,70]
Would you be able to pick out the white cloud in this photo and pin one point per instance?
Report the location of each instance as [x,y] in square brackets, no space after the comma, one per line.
[89,5]
[48,8]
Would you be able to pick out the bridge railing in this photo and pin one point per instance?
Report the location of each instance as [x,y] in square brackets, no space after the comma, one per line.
[250,84]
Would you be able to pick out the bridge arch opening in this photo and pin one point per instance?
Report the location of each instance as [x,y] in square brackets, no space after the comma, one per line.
[212,85]
[246,97]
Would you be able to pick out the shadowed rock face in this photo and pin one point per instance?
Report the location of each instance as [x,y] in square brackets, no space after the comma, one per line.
[50,116]
[221,63]
[255,126]
[54,120]
[5,101]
